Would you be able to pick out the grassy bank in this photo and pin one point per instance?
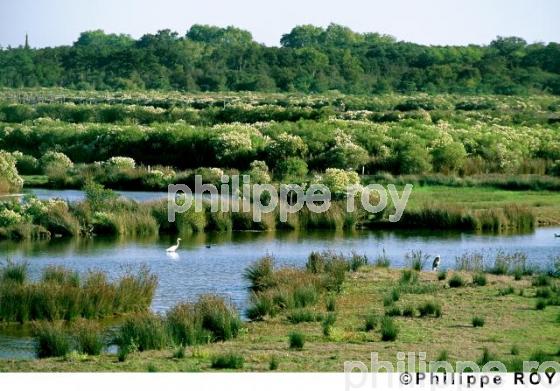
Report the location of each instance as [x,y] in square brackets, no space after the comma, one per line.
[377,310]
[470,209]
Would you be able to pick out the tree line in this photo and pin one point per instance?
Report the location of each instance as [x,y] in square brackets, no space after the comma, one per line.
[310,59]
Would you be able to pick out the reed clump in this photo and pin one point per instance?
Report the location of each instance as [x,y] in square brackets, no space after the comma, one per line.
[61,294]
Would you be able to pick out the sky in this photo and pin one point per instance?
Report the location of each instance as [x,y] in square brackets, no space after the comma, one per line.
[436,22]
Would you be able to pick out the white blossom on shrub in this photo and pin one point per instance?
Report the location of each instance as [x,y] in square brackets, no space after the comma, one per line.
[122,162]
[9,177]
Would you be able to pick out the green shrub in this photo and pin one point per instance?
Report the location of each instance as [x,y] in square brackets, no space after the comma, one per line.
[382,260]
[541,280]
[261,305]
[330,303]
[541,304]
[227,361]
[408,311]
[260,274]
[442,275]
[409,276]
[370,322]
[540,356]
[301,315]
[184,325]
[477,321]
[218,317]
[89,339]
[456,281]
[514,350]
[479,279]
[144,331]
[52,340]
[152,368]
[357,261]
[388,300]
[486,357]
[416,260]
[14,272]
[304,296]
[506,291]
[328,324]
[393,311]
[273,363]
[61,276]
[430,308]
[545,293]
[389,329]
[395,294]
[296,340]
[180,352]
[443,356]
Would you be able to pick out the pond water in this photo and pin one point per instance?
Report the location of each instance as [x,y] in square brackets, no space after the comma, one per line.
[78,195]
[214,263]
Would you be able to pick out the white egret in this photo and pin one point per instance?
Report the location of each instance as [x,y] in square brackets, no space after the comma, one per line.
[173,249]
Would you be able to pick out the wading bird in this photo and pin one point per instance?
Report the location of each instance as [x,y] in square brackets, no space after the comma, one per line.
[172,249]
[435,265]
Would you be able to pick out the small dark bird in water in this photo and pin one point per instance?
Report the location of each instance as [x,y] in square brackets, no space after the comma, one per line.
[435,264]
[557,235]
[208,246]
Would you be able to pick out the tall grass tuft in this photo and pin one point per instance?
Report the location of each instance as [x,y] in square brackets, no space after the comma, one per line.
[389,329]
[14,272]
[456,281]
[486,357]
[477,321]
[184,325]
[62,295]
[52,340]
[471,262]
[479,279]
[430,308]
[259,274]
[330,303]
[296,340]
[273,363]
[144,331]
[370,322]
[383,260]
[416,260]
[541,304]
[328,324]
[218,317]
[227,361]
[89,338]
[301,315]
[409,276]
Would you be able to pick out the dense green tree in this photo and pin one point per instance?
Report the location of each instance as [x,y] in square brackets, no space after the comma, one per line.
[310,59]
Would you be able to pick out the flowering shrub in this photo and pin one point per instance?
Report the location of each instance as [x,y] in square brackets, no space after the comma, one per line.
[285,146]
[259,172]
[9,217]
[121,162]
[338,180]
[55,161]
[9,177]
[157,179]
